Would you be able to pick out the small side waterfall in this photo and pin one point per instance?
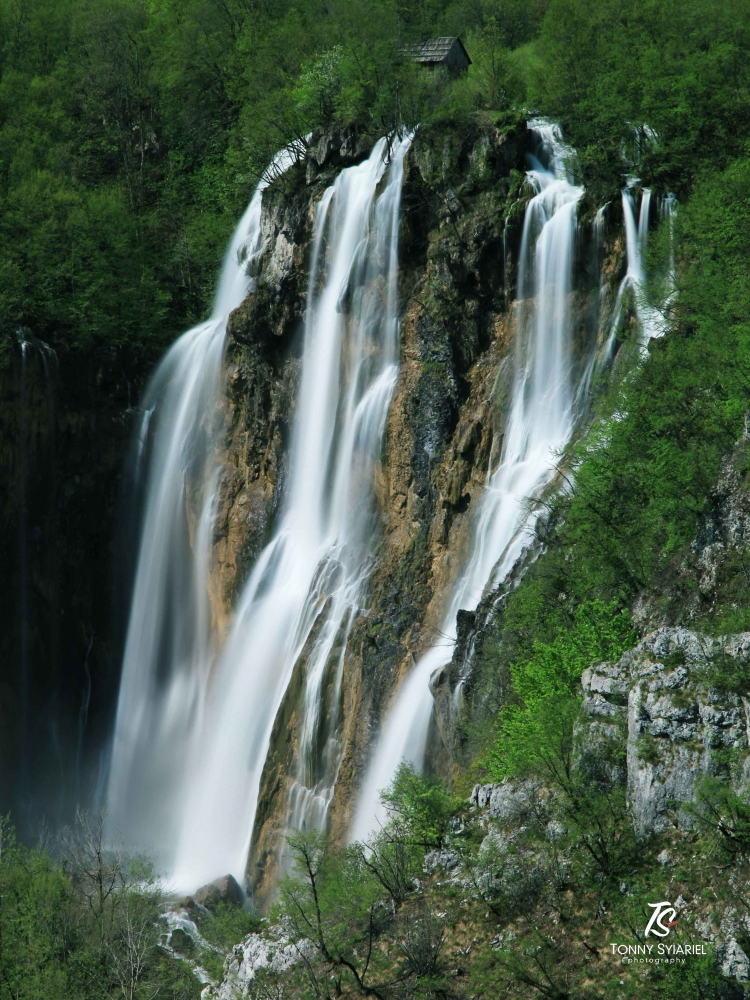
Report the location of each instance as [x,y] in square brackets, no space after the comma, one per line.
[36,358]
[651,321]
[167,651]
[541,419]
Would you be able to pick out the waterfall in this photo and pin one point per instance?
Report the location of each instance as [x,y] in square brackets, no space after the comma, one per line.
[539,425]
[192,751]
[651,320]
[346,541]
[175,466]
[23,566]
[308,583]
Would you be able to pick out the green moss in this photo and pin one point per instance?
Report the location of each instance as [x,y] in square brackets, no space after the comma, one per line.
[227,924]
[649,749]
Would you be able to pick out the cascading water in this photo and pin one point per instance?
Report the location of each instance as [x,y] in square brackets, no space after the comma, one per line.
[34,350]
[651,320]
[371,285]
[311,575]
[541,419]
[167,651]
[207,742]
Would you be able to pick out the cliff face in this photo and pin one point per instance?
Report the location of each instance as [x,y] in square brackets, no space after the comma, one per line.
[683,722]
[463,205]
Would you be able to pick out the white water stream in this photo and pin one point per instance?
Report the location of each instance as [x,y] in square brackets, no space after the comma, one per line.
[539,424]
[547,400]
[651,320]
[193,728]
[167,650]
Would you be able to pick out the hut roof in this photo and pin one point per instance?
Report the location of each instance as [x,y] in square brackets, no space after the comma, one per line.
[437,50]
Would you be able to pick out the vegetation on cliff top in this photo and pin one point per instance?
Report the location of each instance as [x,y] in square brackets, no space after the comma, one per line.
[132,131]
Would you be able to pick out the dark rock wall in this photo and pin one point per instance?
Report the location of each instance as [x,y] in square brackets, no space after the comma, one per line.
[64,431]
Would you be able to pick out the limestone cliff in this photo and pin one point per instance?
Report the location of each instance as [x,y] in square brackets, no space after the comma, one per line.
[463,205]
[680,721]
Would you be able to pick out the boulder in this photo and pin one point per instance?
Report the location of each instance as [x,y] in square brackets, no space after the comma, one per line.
[505,802]
[222,890]
[271,950]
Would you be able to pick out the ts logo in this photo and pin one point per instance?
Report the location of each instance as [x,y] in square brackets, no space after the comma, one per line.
[663,919]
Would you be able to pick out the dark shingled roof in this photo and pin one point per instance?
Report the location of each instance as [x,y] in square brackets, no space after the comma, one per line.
[436,50]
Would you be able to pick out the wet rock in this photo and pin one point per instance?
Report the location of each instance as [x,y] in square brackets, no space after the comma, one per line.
[281,263]
[182,940]
[338,148]
[222,890]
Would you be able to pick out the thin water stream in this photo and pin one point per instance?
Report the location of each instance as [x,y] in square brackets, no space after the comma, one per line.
[540,422]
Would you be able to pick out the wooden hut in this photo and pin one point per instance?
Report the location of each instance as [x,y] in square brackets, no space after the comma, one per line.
[448,52]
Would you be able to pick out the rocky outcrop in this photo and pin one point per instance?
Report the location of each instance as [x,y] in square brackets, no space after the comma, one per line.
[682,722]
[271,951]
[507,802]
[733,961]
[222,890]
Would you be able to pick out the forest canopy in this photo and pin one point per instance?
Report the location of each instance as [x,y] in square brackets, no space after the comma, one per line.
[133,131]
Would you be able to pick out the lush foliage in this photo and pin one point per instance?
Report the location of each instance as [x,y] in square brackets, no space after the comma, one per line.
[535,731]
[83,926]
[132,131]
[523,905]
[676,66]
